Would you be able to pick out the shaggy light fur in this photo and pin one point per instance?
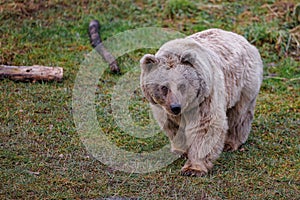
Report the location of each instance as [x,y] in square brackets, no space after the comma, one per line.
[202,90]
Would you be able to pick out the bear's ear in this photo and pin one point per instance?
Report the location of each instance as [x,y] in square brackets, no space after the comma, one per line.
[148,62]
[188,58]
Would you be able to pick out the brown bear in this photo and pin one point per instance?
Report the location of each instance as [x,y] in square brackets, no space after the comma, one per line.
[202,90]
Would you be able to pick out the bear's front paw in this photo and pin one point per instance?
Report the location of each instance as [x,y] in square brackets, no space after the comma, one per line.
[228,147]
[192,172]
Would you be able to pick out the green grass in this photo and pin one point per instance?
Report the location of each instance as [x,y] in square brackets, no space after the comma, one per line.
[42,156]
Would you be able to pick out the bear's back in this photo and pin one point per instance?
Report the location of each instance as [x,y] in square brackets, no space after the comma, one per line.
[239,60]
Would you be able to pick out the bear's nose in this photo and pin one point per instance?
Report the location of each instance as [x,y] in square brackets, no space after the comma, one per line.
[175,108]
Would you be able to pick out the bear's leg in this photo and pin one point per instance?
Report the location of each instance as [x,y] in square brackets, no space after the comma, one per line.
[197,165]
[239,122]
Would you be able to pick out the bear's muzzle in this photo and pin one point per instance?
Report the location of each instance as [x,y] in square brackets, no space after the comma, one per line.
[175,108]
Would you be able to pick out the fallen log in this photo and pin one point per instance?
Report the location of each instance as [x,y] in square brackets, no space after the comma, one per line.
[31,73]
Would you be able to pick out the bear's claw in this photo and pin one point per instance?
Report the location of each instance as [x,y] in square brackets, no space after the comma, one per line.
[192,172]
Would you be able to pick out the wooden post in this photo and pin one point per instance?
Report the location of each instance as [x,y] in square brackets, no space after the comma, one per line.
[31,73]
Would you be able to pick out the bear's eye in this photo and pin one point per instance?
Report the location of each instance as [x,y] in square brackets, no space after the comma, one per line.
[181,87]
[187,62]
[164,90]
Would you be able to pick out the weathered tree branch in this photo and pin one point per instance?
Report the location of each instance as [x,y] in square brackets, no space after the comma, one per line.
[96,42]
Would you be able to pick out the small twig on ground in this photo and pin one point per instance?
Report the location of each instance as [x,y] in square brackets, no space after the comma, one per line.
[281,78]
[275,77]
[33,173]
[269,7]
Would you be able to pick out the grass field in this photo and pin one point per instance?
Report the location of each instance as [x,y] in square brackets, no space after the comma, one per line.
[42,156]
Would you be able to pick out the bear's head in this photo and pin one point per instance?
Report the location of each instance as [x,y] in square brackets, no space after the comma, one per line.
[175,78]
